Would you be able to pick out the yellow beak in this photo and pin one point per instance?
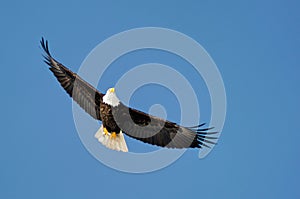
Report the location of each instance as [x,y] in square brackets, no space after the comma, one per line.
[112,90]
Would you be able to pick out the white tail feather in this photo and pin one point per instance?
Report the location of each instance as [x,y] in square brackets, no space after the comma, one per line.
[118,143]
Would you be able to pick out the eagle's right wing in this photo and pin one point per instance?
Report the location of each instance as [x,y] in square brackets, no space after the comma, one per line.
[86,96]
[156,131]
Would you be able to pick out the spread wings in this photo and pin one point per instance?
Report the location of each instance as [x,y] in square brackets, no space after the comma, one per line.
[134,123]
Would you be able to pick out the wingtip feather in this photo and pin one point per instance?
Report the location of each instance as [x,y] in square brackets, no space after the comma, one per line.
[44,45]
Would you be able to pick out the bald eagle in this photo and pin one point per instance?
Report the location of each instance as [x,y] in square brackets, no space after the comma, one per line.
[118,119]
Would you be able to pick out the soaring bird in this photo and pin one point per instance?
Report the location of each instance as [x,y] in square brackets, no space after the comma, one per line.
[118,119]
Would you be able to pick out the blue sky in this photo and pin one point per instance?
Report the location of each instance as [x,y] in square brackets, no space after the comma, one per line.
[256,47]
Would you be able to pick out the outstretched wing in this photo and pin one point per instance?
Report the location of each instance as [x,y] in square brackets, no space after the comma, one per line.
[156,131]
[82,92]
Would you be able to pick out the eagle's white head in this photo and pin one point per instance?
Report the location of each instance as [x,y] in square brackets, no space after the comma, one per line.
[111,98]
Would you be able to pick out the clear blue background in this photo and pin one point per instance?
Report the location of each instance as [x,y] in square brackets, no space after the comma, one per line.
[256,47]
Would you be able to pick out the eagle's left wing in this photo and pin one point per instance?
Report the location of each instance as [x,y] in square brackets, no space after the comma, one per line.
[82,92]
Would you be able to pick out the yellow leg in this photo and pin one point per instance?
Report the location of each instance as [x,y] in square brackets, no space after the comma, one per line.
[113,135]
[105,131]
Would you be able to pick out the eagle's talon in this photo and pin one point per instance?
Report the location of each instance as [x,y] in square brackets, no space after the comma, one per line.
[113,135]
[105,131]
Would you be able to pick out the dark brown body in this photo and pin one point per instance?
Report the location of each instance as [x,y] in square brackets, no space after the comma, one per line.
[108,119]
